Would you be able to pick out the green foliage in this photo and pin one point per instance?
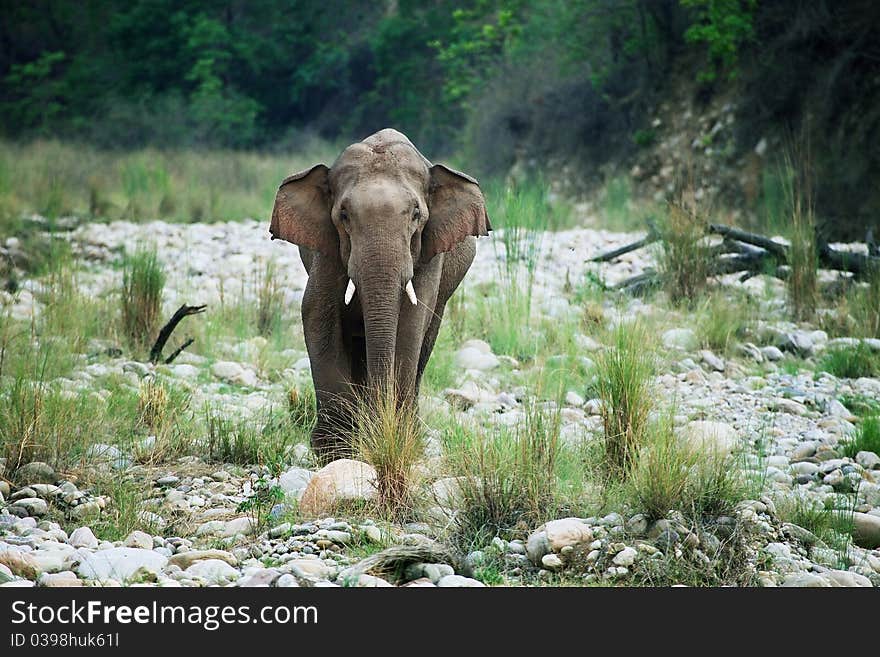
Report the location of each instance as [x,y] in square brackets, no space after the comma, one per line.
[508,478]
[264,495]
[477,41]
[684,256]
[724,26]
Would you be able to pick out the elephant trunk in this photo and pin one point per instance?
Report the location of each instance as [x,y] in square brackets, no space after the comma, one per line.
[380,291]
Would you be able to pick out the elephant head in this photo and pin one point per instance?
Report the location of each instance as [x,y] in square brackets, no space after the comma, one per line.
[381,211]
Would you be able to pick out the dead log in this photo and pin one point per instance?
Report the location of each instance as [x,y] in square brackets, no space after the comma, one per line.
[650,238]
[729,232]
[168,329]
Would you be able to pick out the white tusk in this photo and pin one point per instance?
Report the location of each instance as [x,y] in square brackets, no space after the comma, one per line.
[411,293]
[349,291]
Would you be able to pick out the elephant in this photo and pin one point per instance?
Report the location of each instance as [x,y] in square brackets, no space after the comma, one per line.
[386,237]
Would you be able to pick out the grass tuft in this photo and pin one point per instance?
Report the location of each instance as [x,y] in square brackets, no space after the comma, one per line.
[143,280]
[389,436]
[851,362]
[624,377]
[509,477]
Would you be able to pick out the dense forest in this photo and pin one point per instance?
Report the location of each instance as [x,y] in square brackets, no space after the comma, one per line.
[487,78]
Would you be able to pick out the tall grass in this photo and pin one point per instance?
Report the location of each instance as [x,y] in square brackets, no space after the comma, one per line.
[509,477]
[143,281]
[684,255]
[865,439]
[389,436]
[624,373]
[803,252]
[851,362]
[270,301]
[55,178]
[520,216]
[722,319]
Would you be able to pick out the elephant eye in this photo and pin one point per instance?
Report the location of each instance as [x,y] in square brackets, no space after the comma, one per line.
[417,213]
[343,216]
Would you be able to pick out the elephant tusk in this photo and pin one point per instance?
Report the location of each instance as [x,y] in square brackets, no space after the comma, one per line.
[411,293]
[349,291]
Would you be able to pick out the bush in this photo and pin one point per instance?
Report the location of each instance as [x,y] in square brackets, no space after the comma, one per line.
[143,281]
[865,439]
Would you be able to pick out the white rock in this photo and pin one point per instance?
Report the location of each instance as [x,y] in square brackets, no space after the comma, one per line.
[573,399]
[475,358]
[212,571]
[119,563]
[552,562]
[139,539]
[626,557]
[234,373]
[712,360]
[343,480]
[458,581]
[709,438]
[294,481]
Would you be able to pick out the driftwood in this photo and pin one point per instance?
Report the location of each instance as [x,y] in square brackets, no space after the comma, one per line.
[168,329]
[750,253]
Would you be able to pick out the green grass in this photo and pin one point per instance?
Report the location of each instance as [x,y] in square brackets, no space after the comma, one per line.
[509,476]
[616,205]
[851,362]
[143,281]
[831,523]
[270,301]
[683,257]
[624,372]
[722,320]
[865,439]
[266,438]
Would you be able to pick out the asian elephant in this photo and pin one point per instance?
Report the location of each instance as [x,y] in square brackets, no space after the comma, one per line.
[386,237]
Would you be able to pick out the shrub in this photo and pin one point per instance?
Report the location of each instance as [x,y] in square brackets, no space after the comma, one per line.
[624,376]
[143,280]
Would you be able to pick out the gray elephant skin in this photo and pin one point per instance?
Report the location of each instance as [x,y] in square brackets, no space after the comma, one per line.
[386,237]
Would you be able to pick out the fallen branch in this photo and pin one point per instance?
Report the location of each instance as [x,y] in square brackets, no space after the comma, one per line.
[168,329]
[729,232]
[650,238]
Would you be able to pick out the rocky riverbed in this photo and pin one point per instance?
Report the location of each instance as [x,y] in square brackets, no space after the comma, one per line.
[766,401]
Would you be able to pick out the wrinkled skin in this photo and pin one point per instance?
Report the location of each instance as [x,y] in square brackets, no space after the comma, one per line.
[382,215]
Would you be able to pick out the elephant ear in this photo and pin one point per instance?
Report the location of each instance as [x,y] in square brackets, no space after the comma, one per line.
[456,209]
[302,211]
